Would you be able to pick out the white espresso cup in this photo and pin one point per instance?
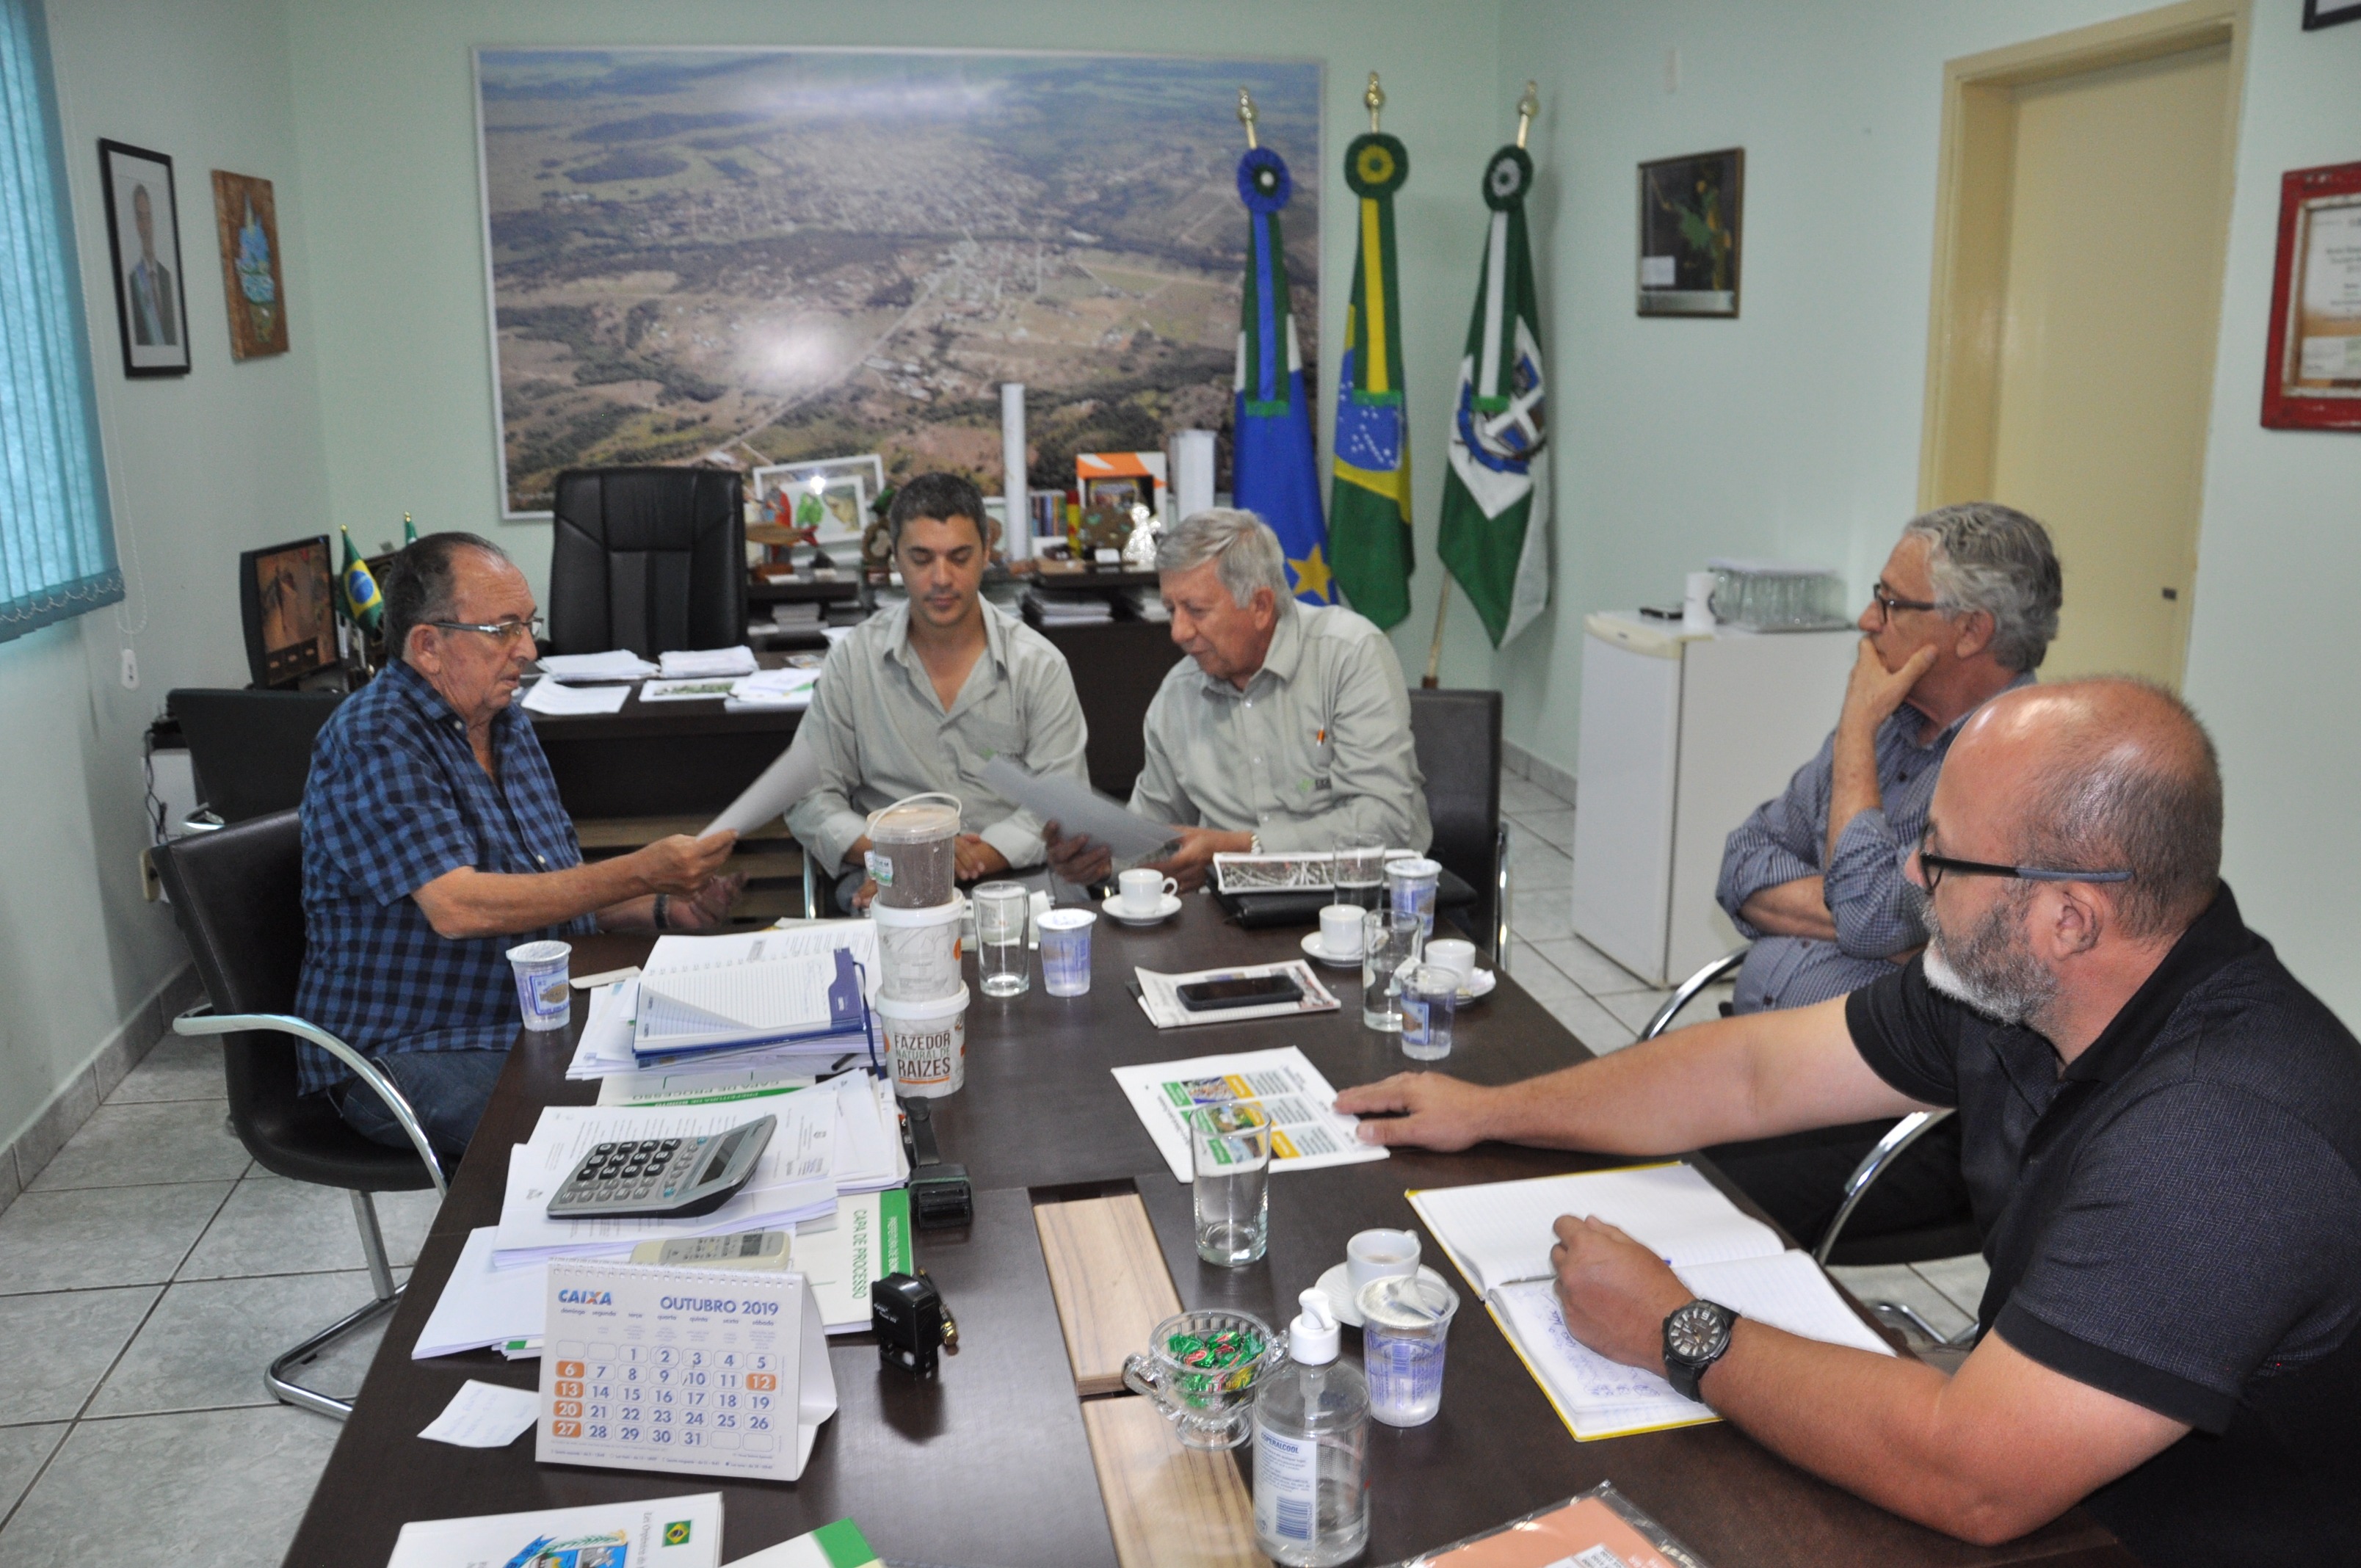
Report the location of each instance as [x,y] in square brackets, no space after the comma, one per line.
[1379,1255]
[1144,891]
[1454,955]
[1340,930]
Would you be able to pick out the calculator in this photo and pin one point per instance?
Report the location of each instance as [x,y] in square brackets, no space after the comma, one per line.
[663,1178]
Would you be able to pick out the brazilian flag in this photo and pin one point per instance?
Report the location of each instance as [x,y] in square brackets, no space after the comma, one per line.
[1369,500]
[364,605]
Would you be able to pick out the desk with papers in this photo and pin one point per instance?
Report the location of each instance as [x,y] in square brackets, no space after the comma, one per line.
[989,1464]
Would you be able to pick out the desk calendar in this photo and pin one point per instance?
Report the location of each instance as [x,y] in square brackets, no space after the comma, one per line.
[704,1372]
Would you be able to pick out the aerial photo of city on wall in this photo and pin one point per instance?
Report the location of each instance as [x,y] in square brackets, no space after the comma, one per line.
[768,255]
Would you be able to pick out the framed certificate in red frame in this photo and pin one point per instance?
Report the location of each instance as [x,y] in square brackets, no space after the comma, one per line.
[2312,380]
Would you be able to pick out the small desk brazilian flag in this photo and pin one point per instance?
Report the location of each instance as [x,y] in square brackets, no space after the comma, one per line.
[1369,503]
[364,605]
[677,1533]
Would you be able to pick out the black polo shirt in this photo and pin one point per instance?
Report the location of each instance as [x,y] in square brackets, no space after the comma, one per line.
[2174,1218]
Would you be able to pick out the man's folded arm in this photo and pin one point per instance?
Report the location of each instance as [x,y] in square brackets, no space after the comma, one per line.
[1869,898]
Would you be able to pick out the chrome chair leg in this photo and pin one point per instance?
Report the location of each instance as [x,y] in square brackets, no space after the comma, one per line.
[277,1378]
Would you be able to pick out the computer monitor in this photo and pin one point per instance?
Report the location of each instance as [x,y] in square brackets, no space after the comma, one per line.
[287,594]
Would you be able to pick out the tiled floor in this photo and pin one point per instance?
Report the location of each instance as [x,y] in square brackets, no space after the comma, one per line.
[151,1270]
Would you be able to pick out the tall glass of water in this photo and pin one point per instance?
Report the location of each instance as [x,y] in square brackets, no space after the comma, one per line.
[1390,950]
[1360,868]
[1230,1166]
[1003,968]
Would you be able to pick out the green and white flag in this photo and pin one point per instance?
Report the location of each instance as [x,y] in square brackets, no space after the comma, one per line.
[1495,534]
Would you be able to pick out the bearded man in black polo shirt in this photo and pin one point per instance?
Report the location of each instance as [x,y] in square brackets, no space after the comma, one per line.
[2161,1134]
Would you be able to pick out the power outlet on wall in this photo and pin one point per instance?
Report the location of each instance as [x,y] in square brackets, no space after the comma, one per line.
[130,671]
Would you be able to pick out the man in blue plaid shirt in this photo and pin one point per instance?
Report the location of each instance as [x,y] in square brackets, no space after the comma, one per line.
[1964,610]
[434,841]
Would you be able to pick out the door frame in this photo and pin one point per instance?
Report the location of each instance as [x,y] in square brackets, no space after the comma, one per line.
[1966,306]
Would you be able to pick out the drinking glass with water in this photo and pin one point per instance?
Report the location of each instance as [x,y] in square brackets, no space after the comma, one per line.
[1230,1162]
[1003,968]
[1358,873]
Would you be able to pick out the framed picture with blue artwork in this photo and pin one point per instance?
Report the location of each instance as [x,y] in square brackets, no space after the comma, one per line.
[245,222]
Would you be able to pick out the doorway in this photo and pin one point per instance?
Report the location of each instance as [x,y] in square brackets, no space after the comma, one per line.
[2082,210]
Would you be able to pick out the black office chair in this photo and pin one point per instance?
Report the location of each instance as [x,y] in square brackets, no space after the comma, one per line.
[238,894]
[1951,1237]
[1457,737]
[647,559]
[251,750]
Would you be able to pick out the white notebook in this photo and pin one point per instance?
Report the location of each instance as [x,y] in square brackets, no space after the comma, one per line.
[1499,1235]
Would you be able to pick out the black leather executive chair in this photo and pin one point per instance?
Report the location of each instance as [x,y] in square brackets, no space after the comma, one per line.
[647,559]
[238,894]
[251,750]
[1457,737]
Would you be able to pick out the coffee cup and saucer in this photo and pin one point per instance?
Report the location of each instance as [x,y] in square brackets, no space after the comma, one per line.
[1370,1256]
[1459,958]
[1338,941]
[1143,898]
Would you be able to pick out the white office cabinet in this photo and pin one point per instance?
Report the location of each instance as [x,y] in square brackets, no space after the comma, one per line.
[1682,737]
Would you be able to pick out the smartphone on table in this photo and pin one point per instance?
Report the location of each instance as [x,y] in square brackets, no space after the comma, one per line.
[1245,990]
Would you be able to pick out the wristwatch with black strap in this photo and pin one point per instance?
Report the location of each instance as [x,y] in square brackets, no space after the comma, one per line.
[1696,1336]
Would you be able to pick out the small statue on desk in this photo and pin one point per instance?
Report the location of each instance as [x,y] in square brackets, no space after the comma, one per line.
[1139,550]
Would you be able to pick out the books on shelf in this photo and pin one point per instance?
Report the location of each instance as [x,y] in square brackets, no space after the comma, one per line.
[1499,1235]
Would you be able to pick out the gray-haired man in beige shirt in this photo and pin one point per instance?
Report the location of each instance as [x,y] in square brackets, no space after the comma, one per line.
[920,696]
[1290,729]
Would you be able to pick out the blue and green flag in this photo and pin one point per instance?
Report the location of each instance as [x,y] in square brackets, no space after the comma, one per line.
[1276,468]
[1495,522]
[1368,503]
[364,605]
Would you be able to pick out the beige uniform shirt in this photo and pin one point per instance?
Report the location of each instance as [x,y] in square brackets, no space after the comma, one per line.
[883,734]
[1318,744]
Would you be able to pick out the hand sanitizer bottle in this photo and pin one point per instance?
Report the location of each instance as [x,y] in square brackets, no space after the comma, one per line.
[1310,1437]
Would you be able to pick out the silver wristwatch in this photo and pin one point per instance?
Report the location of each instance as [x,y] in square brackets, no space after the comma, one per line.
[1696,1336]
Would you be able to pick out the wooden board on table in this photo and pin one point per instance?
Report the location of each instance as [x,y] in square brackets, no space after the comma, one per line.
[1168,1507]
[1106,1270]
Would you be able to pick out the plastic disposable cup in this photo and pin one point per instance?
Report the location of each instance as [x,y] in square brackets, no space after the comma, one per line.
[1066,952]
[919,950]
[1405,1329]
[1003,968]
[1410,888]
[912,853]
[1229,1149]
[927,1041]
[545,991]
[1429,1003]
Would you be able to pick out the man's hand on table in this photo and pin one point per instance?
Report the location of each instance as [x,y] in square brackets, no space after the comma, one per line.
[1080,859]
[975,859]
[681,865]
[1615,1292]
[1189,864]
[1429,1110]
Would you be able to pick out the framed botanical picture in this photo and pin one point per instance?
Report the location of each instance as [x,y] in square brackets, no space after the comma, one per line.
[245,222]
[828,495]
[143,239]
[2318,14]
[1691,210]
[2312,380]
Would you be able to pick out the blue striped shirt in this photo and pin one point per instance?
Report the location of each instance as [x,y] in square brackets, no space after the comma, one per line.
[396,799]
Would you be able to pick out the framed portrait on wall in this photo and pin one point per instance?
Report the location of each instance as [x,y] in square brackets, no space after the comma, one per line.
[245,223]
[2318,14]
[2311,378]
[143,241]
[1691,211]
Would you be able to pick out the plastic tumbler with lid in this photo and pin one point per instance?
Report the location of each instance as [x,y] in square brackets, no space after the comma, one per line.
[913,849]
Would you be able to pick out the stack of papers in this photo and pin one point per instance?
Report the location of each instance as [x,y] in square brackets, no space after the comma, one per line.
[611,1037]
[697,997]
[552,695]
[681,664]
[773,688]
[1499,1236]
[1048,606]
[802,616]
[1147,604]
[621,664]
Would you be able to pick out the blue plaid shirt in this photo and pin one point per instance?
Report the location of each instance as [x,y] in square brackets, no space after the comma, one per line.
[395,799]
[1787,839]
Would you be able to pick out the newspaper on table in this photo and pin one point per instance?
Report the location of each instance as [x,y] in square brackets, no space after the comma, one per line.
[688,688]
[1080,811]
[1159,995]
[1282,1086]
[1283,874]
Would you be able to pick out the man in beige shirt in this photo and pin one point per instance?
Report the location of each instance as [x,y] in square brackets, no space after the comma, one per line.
[921,695]
[1290,729]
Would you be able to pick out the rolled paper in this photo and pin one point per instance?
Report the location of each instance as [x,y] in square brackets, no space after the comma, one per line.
[1017,535]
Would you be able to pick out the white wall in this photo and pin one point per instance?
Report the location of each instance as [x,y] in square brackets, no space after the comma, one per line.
[203,466]
[1793,431]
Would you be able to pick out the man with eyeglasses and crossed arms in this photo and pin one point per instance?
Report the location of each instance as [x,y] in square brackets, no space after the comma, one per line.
[1964,610]
[434,841]
[2162,1133]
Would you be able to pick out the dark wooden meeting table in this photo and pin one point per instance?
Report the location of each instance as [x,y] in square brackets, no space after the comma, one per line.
[988,1467]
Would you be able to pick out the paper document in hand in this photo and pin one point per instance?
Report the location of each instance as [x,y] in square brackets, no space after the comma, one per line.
[1499,1232]
[1598,1398]
[793,774]
[1282,1085]
[1159,995]
[1080,811]
[668,1533]
[558,699]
